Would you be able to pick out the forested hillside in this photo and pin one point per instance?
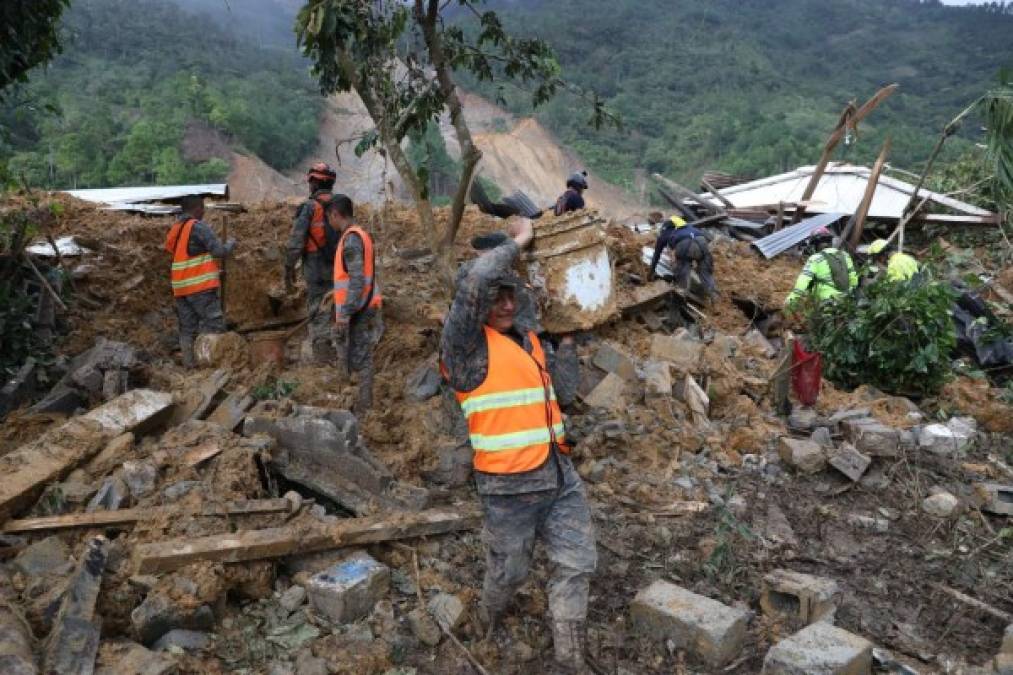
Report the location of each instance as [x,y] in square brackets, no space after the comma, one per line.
[753,86]
[134,76]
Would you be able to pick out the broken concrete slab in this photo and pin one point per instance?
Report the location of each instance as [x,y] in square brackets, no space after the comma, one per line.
[73,642]
[706,628]
[871,437]
[348,591]
[609,394]
[995,498]
[42,557]
[658,379]
[951,438]
[196,402]
[802,455]
[849,461]
[800,596]
[941,505]
[820,649]
[447,609]
[612,359]
[682,352]
[231,412]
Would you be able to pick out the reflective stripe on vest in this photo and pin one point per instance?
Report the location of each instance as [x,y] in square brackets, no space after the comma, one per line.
[316,236]
[189,274]
[513,416]
[371,289]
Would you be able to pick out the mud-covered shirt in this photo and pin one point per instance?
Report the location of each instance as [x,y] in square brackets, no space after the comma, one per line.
[465,354]
[203,240]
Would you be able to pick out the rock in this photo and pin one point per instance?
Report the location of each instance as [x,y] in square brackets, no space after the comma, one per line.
[280,668]
[820,649]
[447,609]
[800,596]
[850,414]
[943,439]
[293,598]
[112,455]
[706,628]
[123,657]
[609,394]
[849,461]
[682,352]
[822,437]
[422,384]
[214,350]
[613,360]
[777,528]
[940,505]
[157,615]
[110,496]
[20,388]
[872,437]
[697,400]
[802,455]
[182,639]
[424,627]
[179,489]
[802,418]
[347,591]
[760,343]
[658,379]
[453,466]
[1007,641]
[62,399]
[42,557]
[140,477]
[995,498]
[307,664]
[866,522]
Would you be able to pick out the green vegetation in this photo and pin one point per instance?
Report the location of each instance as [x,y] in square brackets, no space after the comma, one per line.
[895,336]
[141,88]
[30,37]
[754,86]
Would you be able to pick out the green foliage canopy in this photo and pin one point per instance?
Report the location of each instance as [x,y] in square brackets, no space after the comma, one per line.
[28,37]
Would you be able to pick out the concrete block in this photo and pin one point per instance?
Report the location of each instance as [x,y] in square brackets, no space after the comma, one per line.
[820,649]
[613,360]
[800,596]
[609,394]
[682,352]
[447,609]
[802,455]
[658,379]
[706,628]
[946,439]
[940,505]
[995,498]
[348,591]
[849,461]
[872,437]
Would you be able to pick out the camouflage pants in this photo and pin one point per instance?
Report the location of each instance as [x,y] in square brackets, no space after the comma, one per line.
[198,313]
[355,352]
[687,252]
[561,518]
[319,283]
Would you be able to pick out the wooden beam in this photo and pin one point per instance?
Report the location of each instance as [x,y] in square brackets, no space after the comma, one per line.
[684,193]
[281,541]
[848,119]
[73,642]
[717,195]
[870,192]
[101,519]
[677,205]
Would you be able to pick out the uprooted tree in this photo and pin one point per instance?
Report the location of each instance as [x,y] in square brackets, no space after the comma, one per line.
[400,58]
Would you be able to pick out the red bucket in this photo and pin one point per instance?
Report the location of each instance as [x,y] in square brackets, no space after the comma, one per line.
[806,373]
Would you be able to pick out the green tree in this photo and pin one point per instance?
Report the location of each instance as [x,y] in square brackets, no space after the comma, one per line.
[31,37]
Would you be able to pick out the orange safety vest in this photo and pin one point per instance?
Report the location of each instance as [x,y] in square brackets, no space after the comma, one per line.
[371,291]
[189,275]
[316,238]
[513,416]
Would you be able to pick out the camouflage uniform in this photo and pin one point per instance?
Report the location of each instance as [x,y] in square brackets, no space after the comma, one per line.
[318,272]
[201,312]
[548,502]
[355,342]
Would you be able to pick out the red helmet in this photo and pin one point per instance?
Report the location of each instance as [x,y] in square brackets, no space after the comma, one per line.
[321,171]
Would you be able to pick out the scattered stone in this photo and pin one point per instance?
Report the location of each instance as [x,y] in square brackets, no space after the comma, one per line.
[802,455]
[759,342]
[140,477]
[849,461]
[42,557]
[347,591]
[612,360]
[872,438]
[423,383]
[683,352]
[875,479]
[20,388]
[112,455]
[943,439]
[110,496]
[850,414]
[802,418]
[214,350]
[820,649]
[800,596]
[424,627]
[940,505]
[821,436]
[658,379]
[122,657]
[179,489]
[995,498]
[293,598]
[453,466]
[697,400]
[776,527]
[307,664]
[704,627]
[447,609]
[609,394]
[183,640]
[871,523]
[157,615]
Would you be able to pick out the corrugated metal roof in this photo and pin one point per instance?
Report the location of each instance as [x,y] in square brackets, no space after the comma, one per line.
[781,241]
[157,193]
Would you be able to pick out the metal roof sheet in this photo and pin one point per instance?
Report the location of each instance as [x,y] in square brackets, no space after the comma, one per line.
[782,240]
[156,193]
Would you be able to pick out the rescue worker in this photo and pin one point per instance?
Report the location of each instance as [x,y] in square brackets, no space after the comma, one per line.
[357,299]
[689,246]
[573,198]
[309,242]
[899,266]
[827,274]
[195,275]
[510,386]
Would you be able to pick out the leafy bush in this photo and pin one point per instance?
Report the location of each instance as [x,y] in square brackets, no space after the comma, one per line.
[894,336]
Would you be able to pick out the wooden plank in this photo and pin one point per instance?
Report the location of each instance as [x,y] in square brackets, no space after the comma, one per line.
[201,453]
[858,227]
[717,195]
[100,519]
[281,541]
[684,194]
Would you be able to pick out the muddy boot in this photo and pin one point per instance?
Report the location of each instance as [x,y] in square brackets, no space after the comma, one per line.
[568,642]
[186,351]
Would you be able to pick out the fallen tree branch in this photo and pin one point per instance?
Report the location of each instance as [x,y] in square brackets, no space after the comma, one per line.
[972,602]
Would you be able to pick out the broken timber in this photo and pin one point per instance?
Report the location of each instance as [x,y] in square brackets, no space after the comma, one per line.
[59,451]
[101,519]
[73,642]
[282,541]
